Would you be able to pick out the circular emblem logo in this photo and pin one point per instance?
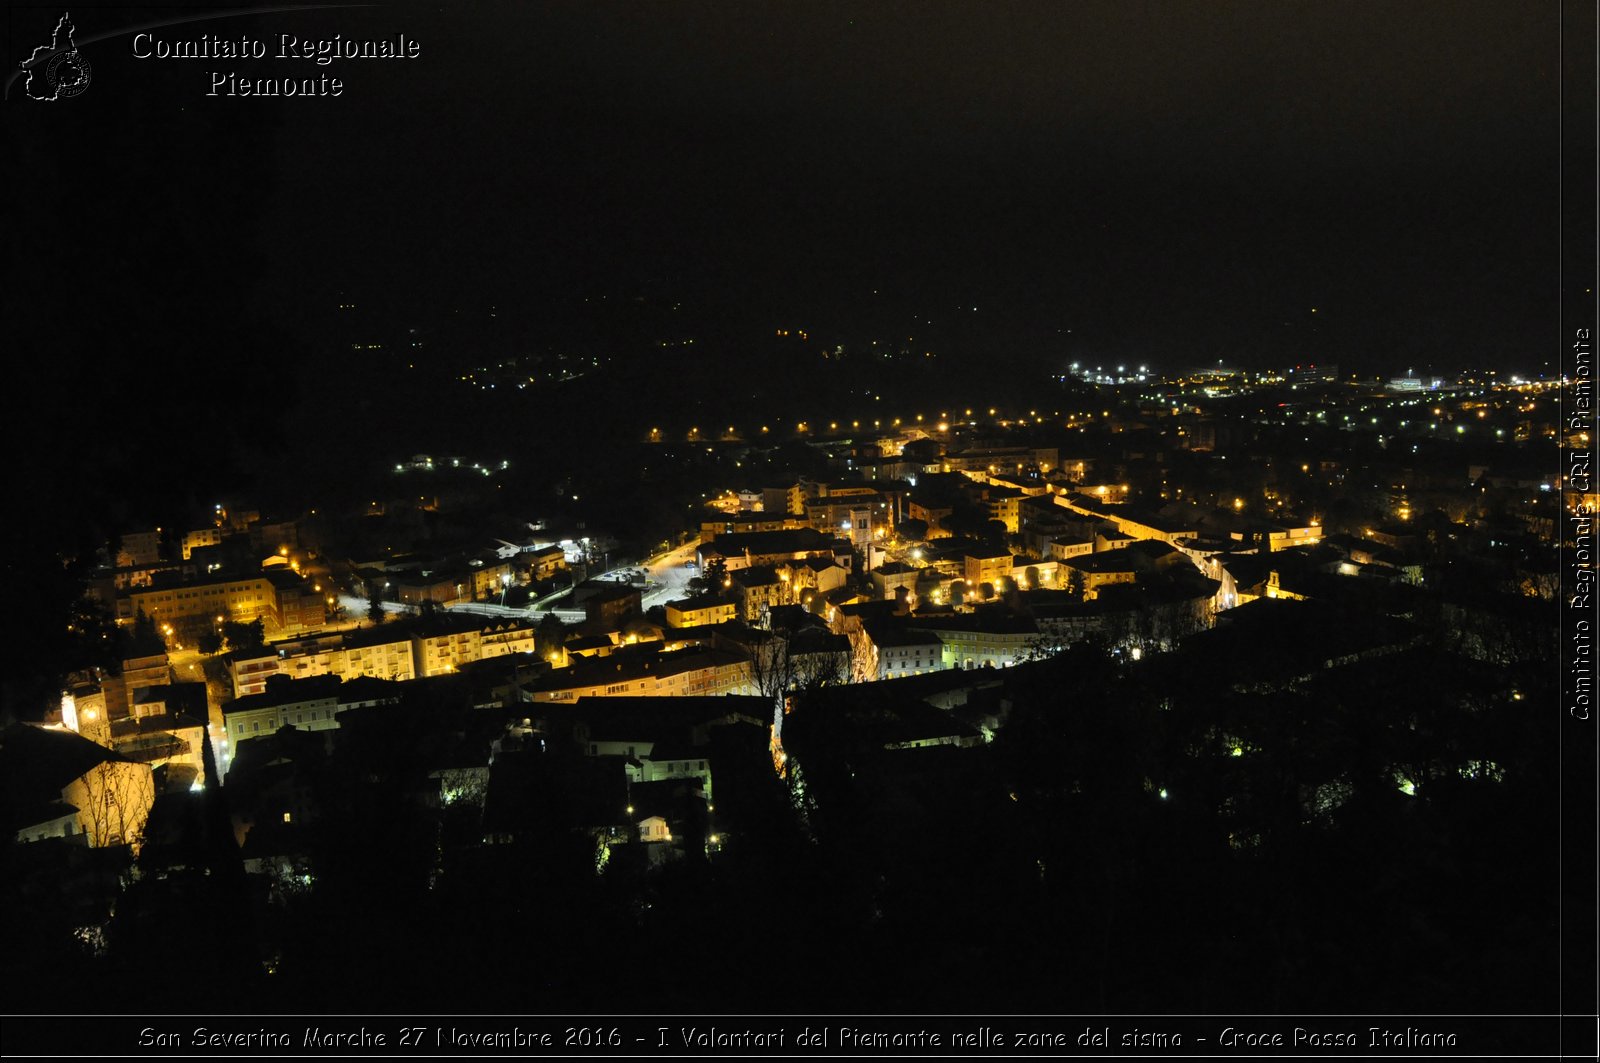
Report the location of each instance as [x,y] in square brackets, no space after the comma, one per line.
[68,74]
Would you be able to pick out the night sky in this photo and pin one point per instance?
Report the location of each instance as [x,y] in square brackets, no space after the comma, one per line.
[1153,175]
[1150,175]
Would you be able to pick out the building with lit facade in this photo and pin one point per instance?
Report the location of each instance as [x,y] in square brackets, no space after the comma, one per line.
[893,650]
[382,653]
[444,644]
[306,704]
[759,588]
[280,599]
[1014,460]
[889,578]
[696,612]
[990,569]
[766,548]
[61,785]
[201,538]
[141,547]
[1135,524]
[682,673]
[985,638]
[543,563]
[717,524]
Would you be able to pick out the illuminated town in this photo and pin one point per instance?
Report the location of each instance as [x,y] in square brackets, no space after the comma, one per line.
[576,636]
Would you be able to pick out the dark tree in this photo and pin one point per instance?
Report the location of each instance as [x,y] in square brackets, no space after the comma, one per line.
[552,634]
[715,574]
[240,636]
[146,640]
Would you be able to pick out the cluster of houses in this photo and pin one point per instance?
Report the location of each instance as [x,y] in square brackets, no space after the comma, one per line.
[901,591]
